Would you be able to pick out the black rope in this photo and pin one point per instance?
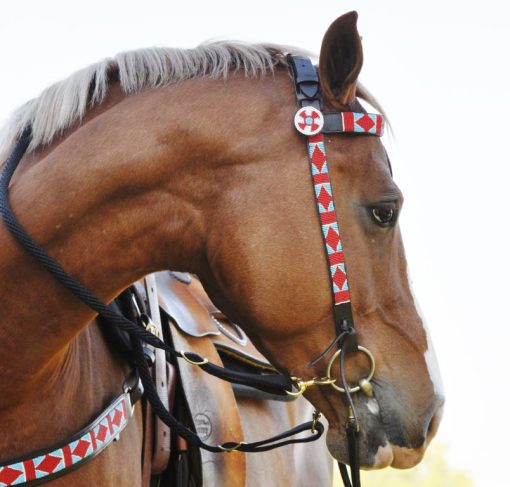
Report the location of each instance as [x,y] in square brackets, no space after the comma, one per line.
[271,383]
[276,384]
[193,438]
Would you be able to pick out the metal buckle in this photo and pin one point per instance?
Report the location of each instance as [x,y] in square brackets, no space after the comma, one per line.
[148,324]
[316,416]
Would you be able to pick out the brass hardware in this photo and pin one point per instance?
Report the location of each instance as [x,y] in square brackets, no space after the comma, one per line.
[366,388]
[233,448]
[303,385]
[299,385]
[192,362]
[352,421]
[365,381]
[315,419]
[149,325]
[325,381]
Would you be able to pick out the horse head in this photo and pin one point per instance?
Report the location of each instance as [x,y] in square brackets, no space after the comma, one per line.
[268,270]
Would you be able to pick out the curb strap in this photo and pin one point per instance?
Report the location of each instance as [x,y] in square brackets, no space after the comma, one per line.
[45,465]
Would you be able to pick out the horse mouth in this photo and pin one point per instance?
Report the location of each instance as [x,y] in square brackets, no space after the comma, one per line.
[374,458]
[383,440]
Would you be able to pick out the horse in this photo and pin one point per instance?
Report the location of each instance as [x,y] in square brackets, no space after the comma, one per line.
[188,160]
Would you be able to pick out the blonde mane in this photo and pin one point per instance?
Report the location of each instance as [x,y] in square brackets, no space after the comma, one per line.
[66,102]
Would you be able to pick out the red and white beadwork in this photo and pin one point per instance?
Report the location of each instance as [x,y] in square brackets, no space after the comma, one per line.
[96,438]
[362,123]
[329,221]
[309,121]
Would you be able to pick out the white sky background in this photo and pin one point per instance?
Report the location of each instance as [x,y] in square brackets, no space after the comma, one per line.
[441,70]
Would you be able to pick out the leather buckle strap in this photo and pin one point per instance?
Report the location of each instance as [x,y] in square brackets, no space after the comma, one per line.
[306,81]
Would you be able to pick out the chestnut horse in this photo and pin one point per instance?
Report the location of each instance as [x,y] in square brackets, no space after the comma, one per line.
[188,160]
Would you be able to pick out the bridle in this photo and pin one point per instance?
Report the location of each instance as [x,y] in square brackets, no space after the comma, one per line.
[311,122]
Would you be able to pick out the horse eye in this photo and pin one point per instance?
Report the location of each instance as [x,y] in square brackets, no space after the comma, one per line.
[385,215]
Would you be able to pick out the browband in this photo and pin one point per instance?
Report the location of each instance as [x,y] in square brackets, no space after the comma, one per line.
[308,97]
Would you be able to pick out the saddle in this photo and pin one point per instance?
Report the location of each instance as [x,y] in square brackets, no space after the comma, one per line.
[204,403]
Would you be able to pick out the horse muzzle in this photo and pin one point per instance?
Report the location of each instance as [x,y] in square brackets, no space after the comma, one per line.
[392,432]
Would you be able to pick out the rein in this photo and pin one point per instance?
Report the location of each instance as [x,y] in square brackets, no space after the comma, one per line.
[311,122]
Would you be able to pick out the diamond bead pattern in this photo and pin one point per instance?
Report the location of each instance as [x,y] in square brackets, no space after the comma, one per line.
[96,437]
[327,213]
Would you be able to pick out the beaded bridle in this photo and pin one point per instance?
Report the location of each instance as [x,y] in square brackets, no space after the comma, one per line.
[310,121]
[313,123]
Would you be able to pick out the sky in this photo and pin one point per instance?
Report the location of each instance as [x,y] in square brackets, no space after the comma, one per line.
[441,70]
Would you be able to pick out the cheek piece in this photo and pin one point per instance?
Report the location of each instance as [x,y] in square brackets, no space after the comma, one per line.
[312,123]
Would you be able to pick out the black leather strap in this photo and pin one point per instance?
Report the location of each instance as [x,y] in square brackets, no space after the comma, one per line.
[344,322]
[306,81]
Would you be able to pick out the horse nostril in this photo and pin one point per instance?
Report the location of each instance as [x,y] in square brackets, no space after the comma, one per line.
[434,423]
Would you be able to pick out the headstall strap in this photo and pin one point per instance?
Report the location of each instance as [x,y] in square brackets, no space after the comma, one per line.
[310,121]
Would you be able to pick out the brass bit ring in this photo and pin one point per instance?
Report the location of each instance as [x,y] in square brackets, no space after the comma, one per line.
[365,381]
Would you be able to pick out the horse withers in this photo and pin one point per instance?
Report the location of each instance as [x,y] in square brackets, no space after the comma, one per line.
[189,160]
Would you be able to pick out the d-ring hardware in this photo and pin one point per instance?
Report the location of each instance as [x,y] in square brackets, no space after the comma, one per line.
[315,419]
[303,385]
[232,448]
[364,384]
[193,362]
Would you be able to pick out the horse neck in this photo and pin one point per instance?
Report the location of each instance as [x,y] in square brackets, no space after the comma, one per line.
[111,202]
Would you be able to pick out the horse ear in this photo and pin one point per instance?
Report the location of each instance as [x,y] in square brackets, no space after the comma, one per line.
[341,60]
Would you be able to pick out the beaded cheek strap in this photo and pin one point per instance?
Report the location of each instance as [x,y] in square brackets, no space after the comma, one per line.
[310,121]
[313,123]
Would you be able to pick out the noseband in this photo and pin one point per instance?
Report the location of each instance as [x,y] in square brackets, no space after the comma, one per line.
[312,123]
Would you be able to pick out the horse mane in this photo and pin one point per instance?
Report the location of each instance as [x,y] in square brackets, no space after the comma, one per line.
[65,103]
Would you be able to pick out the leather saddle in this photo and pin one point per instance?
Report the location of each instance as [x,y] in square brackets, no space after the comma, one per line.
[207,405]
